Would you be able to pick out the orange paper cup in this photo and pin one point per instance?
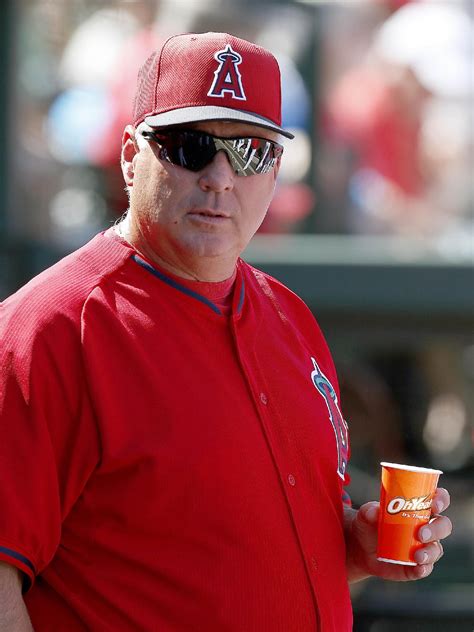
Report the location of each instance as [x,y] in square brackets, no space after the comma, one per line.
[406,495]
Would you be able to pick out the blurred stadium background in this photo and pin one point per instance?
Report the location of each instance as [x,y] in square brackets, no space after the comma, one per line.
[372,222]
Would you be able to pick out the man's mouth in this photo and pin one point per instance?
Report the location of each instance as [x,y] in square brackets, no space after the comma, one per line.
[209,214]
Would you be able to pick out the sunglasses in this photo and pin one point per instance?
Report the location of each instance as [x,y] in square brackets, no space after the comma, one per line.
[194,150]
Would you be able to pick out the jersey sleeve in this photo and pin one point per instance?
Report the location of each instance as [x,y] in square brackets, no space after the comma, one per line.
[346,499]
[49,444]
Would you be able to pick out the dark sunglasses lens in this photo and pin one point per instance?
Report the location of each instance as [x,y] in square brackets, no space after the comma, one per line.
[194,150]
[187,149]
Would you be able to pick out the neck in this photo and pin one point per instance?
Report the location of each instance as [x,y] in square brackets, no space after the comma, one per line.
[202,271]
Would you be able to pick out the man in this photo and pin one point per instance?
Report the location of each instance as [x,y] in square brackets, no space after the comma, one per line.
[173,454]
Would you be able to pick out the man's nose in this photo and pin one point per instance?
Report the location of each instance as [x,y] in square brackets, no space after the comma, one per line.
[218,175]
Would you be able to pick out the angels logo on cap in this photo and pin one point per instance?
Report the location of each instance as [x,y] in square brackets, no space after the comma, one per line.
[227,77]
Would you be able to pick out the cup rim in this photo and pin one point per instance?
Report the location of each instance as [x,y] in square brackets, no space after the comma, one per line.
[410,468]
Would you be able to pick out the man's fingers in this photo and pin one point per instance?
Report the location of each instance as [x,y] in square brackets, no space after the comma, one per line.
[437,529]
[417,572]
[429,554]
[441,550]
[370,512]
[441,500]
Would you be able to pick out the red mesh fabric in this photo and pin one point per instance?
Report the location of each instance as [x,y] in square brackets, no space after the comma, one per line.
[183,72]
[146,84]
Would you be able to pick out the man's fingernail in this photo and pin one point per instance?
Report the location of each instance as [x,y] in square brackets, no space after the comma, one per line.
[421,557]
[423,571]
[425,534]
[439,507]
[371,513]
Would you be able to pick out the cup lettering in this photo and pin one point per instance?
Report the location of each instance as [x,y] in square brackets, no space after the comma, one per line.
[398,504]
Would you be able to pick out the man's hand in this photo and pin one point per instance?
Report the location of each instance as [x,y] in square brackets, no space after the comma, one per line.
[361,540]
[13,614]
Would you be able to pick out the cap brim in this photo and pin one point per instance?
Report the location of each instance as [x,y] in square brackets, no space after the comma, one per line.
[211,113]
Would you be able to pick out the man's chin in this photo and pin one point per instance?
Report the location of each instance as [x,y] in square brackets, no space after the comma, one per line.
[211,246]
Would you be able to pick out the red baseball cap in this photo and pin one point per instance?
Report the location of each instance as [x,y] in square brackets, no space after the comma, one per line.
[209,77]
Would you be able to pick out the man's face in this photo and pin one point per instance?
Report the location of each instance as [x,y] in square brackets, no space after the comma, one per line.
[196,223]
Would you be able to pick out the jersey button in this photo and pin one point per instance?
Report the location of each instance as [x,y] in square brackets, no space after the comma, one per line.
[291,480]
[263,399]
[314,563]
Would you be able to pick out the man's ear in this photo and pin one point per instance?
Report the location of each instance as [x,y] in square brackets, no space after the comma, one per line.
[130,150]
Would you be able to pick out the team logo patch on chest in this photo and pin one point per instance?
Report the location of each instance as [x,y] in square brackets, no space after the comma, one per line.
[227,77]
[328,393]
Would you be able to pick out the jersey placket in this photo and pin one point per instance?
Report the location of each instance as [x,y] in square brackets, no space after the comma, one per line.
[283,450]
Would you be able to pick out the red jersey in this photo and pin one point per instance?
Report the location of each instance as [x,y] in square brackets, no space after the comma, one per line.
[165,467]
